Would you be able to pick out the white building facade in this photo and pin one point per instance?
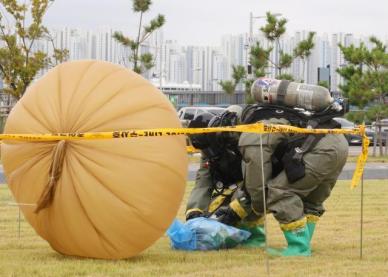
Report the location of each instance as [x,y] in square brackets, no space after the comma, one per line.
[204,66]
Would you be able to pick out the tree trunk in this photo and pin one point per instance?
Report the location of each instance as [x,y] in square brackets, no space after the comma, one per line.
[278,70]
[135,58]
[380,137]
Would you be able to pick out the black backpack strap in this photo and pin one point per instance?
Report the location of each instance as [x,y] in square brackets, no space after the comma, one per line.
[258,112]
[309,143]
[293,159]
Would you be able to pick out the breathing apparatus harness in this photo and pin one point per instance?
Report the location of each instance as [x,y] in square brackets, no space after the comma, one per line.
[289,154]
[220,151]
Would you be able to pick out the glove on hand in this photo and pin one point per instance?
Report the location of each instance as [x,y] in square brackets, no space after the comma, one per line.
[227,216]
[194,214]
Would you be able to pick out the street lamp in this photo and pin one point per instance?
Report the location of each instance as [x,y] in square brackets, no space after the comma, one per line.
[161,71]
[210,83]
[251,17]
[194,70]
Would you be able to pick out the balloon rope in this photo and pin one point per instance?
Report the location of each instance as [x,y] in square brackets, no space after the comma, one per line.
[48,193]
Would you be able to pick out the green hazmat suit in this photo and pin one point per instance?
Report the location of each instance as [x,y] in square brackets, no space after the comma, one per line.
[253,174]
[323,165]
[291,202]
[297,206]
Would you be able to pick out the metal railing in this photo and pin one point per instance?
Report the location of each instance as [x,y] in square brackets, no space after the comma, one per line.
[382,129]
[7,102]
[205,98]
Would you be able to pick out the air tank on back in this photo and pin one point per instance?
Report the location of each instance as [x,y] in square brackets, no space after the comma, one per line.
[291,94]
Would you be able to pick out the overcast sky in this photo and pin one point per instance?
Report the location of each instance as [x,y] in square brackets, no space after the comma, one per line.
[203,22]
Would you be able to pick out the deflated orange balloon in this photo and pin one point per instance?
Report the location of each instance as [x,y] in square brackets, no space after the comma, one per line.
[106,199]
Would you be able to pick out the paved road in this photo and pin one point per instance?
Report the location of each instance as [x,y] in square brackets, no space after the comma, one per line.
[372,171]
[356,150]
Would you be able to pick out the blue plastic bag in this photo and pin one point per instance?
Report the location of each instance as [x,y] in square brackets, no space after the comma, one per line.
[204,234]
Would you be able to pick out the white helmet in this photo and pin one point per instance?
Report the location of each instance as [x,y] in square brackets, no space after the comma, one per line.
[235,109]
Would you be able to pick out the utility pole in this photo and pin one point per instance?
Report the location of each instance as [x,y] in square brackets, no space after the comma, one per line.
[250,28]
[198,69]
[160,50]
[251,18]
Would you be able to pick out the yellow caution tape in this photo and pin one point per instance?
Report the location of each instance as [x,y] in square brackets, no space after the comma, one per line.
[259,128]
[357,175]
[191,149]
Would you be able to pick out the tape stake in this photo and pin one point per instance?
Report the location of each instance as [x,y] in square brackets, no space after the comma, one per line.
[361,161]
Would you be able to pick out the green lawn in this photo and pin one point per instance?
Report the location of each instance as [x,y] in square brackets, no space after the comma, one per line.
[335,247]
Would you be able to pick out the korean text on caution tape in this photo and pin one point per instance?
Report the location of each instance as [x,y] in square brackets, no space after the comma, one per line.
[259,128]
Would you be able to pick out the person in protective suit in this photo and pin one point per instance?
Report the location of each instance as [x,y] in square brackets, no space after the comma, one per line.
[309,168]
[245,209]
[220,163]
[220,174]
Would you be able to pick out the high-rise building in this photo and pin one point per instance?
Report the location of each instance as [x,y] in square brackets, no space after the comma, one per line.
[337,58]
[173,60]
[204,66]
[198,65]
[220,72]
[320,57]
[233,48]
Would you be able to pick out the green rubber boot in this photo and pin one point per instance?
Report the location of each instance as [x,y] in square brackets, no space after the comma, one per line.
[311,223]
[257,238]
[311,228]
[298,242]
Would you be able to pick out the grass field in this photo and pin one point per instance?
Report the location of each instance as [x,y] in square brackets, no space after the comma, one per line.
[335,247]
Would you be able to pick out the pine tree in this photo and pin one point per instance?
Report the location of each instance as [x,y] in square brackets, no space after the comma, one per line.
[141,62]
[273,31]
[366,79]
[303,50]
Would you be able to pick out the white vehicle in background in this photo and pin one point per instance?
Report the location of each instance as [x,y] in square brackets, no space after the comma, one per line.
[189,113]
[384,124]
[346,124]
